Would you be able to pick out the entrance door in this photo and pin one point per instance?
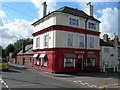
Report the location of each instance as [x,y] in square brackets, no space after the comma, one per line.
[80,62]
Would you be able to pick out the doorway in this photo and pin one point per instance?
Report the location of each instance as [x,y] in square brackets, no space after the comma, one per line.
[80,62]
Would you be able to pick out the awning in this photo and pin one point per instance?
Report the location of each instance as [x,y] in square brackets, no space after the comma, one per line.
[35,55]
[42,55]
[91,56]
[70,55]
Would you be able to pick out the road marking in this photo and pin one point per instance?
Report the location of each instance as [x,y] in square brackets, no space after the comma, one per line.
[75,81]
[109,85]
[2,81]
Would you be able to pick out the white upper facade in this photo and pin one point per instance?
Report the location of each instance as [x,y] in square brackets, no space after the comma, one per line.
[67,20]
[67,39]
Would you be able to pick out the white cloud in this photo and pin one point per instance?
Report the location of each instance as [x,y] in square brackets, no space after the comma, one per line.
[50,4]
[109,21]
[17,29]
[2,14]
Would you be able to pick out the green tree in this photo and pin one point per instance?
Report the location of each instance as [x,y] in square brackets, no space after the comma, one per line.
[9,48]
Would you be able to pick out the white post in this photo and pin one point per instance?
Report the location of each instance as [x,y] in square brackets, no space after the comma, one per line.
[104,68]
[114,69]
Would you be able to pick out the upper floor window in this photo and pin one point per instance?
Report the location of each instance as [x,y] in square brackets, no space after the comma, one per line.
[106,50]
[91,42]
[69,40]
[46,39]
[81,42]
[73,22]
[38,42]
[92,26]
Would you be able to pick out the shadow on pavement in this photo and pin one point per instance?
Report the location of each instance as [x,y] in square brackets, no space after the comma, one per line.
[11,71]
[95,74]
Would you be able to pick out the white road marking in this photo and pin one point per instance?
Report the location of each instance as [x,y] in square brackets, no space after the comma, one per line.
[90,86]
[2,81]
[82,83]
[75,81]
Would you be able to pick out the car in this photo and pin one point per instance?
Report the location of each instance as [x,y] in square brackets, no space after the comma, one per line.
[4,65]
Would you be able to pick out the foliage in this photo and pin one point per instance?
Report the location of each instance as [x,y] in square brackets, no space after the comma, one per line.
[8,49]
[15,48]
[18,44]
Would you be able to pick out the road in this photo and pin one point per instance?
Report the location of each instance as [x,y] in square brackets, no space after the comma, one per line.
[25,78]
[22,78]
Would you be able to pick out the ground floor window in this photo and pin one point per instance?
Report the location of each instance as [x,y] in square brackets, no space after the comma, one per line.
[44,60]
[36,61]
[90,62]
[69,62]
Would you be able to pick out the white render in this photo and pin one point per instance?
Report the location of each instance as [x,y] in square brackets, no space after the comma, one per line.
[63,19]
[108,61]
[57,39]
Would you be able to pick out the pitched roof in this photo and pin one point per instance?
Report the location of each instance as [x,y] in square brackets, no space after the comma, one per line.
[109,43]
[28,50]
[71,11]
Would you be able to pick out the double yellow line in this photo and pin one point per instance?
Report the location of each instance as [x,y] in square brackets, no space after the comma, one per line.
[101,87]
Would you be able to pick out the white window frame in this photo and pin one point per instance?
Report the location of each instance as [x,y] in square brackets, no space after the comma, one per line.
[36,61]
[79,41]
[67,40]
[93,27]
[75,23]
[65,62]
[37,42]
[42,62]
[47,41]
[91,42]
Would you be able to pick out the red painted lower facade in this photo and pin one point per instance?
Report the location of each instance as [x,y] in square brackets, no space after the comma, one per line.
[56,56]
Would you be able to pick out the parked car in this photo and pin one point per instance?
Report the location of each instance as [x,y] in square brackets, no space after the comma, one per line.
[4,65]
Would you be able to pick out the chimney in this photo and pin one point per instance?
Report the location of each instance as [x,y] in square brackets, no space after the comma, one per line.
[43,10]
[23,46]
[89,9]
[116,39]
[105,37]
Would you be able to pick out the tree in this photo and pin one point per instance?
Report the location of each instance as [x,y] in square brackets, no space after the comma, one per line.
[8,49]
[0,51]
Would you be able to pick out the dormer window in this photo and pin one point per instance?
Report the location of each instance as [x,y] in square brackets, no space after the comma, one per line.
[92,26]
[73,21]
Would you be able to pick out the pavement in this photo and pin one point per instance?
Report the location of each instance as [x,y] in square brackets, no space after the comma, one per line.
[78,74]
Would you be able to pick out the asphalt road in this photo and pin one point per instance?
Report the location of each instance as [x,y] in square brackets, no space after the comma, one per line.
[25,78]
[22,78]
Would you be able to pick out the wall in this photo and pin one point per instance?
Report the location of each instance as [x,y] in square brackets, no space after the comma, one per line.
[51,40]
[63,19]
[112,60]
[46,22]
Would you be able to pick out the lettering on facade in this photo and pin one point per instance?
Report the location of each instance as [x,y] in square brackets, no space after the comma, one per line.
[90,52]
[79,52]
[42,52]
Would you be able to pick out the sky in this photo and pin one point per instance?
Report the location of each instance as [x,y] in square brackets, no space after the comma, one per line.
[16,16]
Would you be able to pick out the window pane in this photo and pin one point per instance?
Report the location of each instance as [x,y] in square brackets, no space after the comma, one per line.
[37,42]
[69,40]
[73,21]
[92,25]
[81,41]
[69,62]
[91,42]
[90,61]
[46,40]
